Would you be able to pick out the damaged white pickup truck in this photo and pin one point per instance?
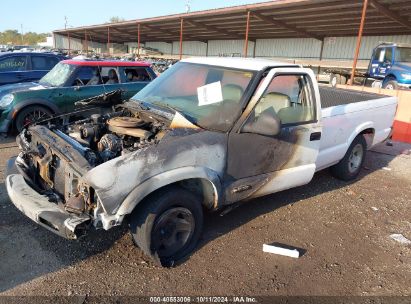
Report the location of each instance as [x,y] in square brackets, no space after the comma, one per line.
[207,133]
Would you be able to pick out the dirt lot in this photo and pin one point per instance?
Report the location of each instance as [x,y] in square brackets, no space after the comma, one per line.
[344,228]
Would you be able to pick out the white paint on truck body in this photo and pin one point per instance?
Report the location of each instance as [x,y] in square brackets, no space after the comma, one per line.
[341,124]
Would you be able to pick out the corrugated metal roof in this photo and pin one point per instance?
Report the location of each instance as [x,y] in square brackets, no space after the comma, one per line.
[275,19]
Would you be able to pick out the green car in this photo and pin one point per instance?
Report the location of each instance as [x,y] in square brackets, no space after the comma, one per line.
[68,82]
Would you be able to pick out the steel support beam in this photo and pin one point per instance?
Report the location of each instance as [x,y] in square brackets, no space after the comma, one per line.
[286,26]
[108,40]
[69,44]
[85,41]
[390,14]
[247,28]
[357,48]
[181,37]
[138,39]
[320,58]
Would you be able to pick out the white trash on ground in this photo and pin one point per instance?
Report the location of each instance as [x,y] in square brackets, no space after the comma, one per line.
[293,253]
[400,238]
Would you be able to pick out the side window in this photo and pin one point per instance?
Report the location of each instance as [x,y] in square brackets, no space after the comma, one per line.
[289,98]
[44,63]
[388,55]
[84,75]
[109,75]
[133,74]
[13,64]
[379,55]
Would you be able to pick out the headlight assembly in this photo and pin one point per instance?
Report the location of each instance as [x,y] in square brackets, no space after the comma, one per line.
[6,100]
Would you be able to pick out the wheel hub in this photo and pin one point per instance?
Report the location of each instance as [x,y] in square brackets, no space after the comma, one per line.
[355,159]
[172,231]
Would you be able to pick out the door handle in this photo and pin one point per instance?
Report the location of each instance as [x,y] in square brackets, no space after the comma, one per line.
[315,136]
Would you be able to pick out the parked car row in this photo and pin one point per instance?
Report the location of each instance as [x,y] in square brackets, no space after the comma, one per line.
[26,66]
[68,82]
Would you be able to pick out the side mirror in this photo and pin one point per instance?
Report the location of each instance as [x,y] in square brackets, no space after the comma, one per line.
[267,123]
[77,88]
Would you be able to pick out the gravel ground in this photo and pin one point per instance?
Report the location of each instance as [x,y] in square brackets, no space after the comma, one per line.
[344,229]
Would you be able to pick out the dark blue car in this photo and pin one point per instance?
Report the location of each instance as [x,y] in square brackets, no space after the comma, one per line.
[26,66]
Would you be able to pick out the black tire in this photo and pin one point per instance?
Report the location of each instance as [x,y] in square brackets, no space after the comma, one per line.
[350,166]
[391,85]
[343,79]
[158,215]
[36,112]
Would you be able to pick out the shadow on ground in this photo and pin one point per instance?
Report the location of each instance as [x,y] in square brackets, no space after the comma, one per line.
[217,225]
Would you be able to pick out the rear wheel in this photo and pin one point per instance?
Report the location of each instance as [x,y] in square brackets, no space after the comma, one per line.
[31,114]
[350,166]
[168,225]
[391,85]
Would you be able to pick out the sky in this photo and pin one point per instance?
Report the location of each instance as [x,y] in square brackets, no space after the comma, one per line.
[44,16]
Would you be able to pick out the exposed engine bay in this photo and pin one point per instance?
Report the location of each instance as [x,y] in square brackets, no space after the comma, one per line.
[54,158]
[105,137]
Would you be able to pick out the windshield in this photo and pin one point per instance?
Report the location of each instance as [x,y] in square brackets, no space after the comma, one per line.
[403,54]
[209,96]
[58,76]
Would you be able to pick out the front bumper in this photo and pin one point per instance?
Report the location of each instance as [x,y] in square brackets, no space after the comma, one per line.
[5,125]
[406,86]
[45,213]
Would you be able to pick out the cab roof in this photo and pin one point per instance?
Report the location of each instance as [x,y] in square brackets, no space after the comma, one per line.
[107,63]
[252,64]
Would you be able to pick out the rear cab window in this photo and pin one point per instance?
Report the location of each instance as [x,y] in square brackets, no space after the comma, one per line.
[13,64]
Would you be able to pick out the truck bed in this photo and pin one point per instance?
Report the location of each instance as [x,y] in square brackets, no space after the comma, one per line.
[345,114]
[331,97]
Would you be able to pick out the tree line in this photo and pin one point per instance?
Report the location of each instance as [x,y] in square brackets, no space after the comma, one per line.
[15,38]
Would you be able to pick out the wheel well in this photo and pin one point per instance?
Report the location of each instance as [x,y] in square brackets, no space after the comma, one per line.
[390,77]
[369,136]
[203,188]
[200,187]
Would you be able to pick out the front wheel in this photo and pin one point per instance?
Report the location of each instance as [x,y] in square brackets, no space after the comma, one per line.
[30,115]
[167,225]
[350,166]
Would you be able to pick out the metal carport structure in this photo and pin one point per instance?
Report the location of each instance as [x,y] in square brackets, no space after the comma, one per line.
[315,19]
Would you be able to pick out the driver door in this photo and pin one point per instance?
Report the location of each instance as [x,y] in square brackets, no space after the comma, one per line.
[259,164]
[76,89]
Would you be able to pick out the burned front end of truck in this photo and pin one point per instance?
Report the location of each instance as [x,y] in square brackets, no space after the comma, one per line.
[53,160]
[158,159]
